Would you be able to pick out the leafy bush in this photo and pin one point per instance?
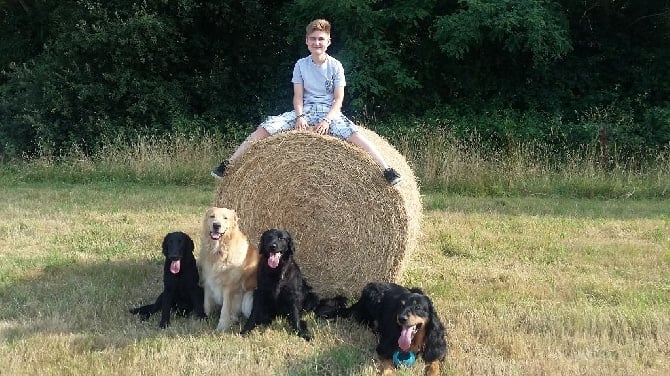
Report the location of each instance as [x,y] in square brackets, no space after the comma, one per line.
[127,69]
[568,73]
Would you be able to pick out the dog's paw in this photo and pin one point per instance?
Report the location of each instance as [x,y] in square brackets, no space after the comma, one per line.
[247,304]
[144,315]
[303,332]
[183,312]
[164,324]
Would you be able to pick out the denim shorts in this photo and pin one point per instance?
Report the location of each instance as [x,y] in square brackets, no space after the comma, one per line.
[340,125]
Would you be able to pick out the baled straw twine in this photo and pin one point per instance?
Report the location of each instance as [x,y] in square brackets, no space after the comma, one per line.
[348,225]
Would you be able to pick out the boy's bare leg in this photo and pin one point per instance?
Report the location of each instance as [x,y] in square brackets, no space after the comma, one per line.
[257,135]
[392,177]
[363,143]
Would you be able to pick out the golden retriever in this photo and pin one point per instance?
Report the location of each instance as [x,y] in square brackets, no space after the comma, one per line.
[228,264]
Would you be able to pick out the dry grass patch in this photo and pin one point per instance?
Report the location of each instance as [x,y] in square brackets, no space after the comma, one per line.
[549,294]
[526,286]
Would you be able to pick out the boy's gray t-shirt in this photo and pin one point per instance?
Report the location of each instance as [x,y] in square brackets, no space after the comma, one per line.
[318,81]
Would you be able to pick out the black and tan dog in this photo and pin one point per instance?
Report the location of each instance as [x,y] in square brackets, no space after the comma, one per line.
[281,289]
[181,289]
[404,320]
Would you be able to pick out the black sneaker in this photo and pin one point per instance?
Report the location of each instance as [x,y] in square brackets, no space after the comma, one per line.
[392,176]
[220,170]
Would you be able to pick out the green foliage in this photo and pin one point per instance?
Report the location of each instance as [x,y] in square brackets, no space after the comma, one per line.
[99,79]
[84,72]
[534,28]
[121,69]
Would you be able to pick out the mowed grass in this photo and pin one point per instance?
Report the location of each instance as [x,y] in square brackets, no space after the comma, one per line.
[525,286]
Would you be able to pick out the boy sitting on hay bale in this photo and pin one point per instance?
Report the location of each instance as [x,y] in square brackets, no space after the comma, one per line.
[318,91]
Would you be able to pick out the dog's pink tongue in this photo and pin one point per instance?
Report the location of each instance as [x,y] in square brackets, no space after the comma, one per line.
[405,340]
[175,266]
[273,260]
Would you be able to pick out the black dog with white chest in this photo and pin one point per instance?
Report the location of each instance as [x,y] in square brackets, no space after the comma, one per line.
[281,289]
[181,282]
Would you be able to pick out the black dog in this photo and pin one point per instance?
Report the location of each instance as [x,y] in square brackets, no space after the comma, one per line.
[404,320]
[281,290]
[181,289]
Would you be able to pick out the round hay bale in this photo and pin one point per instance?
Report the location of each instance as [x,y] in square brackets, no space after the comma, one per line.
[348,225]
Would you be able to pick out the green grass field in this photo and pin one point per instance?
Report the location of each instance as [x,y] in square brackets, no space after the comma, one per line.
[536,268]
[525,286]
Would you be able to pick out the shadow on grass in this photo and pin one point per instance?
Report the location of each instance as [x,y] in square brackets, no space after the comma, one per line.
[85,306]
[90,301]
[341,360]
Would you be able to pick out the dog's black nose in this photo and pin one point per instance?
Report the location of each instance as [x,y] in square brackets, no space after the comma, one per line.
[216,226]
[402,319]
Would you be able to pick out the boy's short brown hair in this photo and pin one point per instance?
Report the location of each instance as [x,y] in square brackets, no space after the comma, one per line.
[318,25]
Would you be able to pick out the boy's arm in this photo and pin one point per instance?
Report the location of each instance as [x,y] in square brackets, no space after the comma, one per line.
[324,124]
[300,121]
[338,98]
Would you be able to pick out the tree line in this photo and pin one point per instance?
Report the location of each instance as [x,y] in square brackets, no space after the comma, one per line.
[562,72]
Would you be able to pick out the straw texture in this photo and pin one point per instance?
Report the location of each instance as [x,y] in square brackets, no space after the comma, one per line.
[348,225]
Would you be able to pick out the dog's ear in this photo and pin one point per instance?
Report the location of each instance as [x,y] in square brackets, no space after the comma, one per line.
[289,243]
[190,246]
[234,219]
[262,241]
[417,290]
[164,246]
[436,342]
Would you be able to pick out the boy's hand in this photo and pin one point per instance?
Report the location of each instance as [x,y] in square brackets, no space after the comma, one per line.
[322,127]
[301,124]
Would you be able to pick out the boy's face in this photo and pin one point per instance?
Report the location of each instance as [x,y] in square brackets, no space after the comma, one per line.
[317,42]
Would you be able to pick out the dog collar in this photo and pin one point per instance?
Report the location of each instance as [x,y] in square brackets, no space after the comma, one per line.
[403,358]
